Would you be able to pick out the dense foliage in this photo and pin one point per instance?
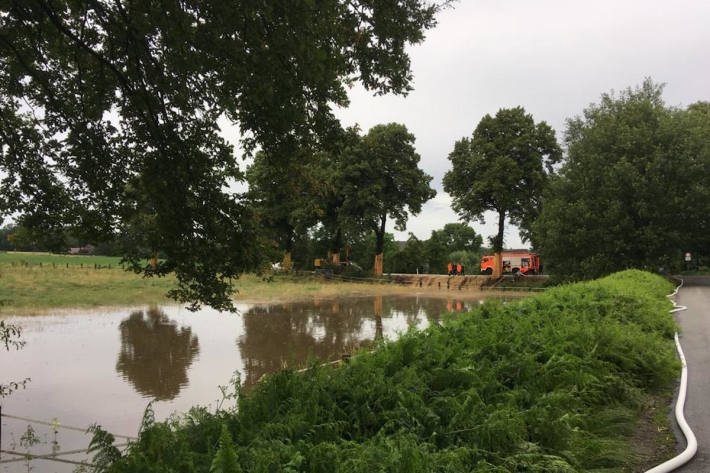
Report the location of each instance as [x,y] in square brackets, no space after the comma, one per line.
[284,198]
[343,194]
[504,168]
[547,384]
[110,114]
[633,190]
[381,179]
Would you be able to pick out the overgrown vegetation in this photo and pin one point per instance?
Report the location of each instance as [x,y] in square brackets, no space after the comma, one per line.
[549,384]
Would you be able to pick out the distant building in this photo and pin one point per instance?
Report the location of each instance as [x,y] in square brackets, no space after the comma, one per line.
[82,250]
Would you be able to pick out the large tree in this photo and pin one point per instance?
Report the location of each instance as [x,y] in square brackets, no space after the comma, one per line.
[109,113]
[284,198]
[382,179]
[504,168]
[633,190]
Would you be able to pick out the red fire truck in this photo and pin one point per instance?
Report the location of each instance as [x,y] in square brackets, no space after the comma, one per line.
[513,262]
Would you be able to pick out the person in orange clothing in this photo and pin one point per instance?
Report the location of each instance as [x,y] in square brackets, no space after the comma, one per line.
[450,267]
[458,269]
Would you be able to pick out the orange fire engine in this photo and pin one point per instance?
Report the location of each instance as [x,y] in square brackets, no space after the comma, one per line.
[513,262]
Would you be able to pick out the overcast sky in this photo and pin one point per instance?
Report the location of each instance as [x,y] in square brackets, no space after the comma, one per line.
[553,57]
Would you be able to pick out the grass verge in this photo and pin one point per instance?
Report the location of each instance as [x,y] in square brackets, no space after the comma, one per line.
[553,383]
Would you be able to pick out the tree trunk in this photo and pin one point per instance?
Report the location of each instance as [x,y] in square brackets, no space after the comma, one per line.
[498,265]
[379,247]
[154,260]
[337,245]
[498,245]
[501,231]
[287,263]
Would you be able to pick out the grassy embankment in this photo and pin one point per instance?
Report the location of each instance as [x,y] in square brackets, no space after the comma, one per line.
[553,383]
[36,282]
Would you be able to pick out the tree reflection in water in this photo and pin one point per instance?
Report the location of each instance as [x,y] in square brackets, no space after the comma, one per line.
[155,354]
[280,335]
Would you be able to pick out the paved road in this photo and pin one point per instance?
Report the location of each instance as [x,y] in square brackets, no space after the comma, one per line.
[695,339]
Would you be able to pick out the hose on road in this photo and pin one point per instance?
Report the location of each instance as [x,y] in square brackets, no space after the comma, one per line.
[692,442]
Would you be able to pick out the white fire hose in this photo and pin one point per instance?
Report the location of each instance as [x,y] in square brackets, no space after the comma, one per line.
[692,443]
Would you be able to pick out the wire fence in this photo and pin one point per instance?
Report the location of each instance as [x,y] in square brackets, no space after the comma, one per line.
[53,456]
[62,265]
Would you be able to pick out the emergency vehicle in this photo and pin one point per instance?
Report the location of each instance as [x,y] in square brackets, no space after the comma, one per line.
[513,262]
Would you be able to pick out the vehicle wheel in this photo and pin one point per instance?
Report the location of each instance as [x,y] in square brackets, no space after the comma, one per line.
[488,271]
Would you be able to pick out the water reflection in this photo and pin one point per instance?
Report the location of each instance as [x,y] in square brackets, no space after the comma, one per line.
[155,354]
[280,335]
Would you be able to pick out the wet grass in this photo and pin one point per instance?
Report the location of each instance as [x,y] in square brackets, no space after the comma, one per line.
[553,383]
[17,258]
[33,283]
[35,289]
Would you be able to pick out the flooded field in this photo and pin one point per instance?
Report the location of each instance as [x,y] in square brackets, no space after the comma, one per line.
[106,367]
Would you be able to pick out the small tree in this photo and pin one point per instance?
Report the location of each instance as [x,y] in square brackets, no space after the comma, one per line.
[453,237]
[382,179]
[504,167]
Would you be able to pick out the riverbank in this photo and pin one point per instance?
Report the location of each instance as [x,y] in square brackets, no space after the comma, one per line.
[570,380]
[36,283]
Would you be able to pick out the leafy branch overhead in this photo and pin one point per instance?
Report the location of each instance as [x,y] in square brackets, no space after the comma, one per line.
[110,112]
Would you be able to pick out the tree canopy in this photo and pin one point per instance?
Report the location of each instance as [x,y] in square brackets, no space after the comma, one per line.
[503,167]
[382,179]
[110,112]
[633,190]
[460,237]
[284,198]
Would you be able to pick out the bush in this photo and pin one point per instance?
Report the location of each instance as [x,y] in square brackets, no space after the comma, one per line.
[548,384]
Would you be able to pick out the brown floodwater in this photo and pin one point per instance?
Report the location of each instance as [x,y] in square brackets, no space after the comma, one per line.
[105,367]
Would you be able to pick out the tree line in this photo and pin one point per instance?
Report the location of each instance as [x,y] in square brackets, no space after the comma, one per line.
[348,191]
[110,119]
[626,189]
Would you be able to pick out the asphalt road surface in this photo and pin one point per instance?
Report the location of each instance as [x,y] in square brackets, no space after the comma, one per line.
[695,340]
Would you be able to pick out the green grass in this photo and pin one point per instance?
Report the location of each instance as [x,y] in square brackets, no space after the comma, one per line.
[32,288]
[36,289]
[47,259]
[553,383]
